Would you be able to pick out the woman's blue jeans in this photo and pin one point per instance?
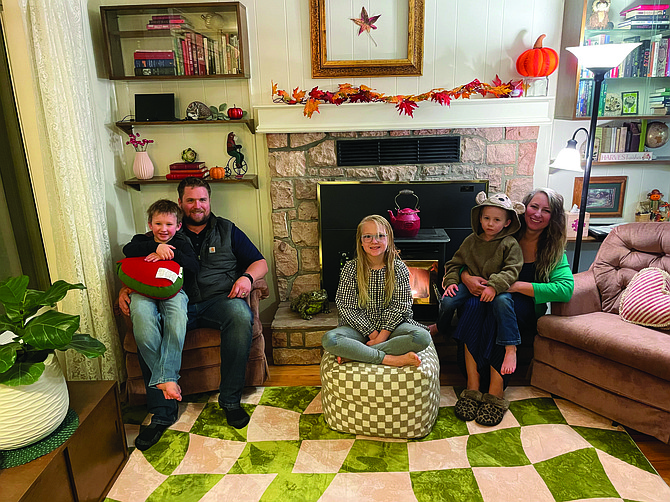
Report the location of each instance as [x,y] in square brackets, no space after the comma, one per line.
[159,327]
[346,342]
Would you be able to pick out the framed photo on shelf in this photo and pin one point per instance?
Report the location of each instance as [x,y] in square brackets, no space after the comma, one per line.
[629,101]
[605,196]
[349,41]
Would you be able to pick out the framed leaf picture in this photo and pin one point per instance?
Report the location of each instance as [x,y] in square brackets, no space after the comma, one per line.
[347,40]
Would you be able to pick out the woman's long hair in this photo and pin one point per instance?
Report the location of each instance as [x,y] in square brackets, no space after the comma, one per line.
[552,241]
[363,264]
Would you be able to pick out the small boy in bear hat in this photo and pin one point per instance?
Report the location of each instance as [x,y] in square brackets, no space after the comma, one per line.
[493,253]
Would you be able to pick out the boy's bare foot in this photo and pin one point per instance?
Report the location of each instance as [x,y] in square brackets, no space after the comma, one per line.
[509,362]
[170,390]
[432,329]
[342,360]
[409,359]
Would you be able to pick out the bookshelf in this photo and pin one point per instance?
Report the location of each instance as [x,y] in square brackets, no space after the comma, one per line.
[176,41]
[628,92]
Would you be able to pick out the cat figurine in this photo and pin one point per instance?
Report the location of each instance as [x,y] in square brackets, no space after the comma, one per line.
[197,110]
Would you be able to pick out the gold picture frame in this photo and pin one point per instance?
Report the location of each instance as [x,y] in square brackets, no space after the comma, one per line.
[322,67]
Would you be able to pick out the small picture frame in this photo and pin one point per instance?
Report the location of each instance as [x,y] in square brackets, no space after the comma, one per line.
[605,196]
[629,100]
[612,106]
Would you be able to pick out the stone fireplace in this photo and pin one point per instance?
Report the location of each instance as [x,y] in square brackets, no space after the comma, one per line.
[505,156]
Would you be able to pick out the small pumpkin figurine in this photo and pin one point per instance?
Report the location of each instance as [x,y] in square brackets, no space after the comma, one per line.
[538,61]
[217,172]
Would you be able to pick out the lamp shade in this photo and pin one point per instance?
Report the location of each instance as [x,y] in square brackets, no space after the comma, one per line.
[568,159]
[605,56]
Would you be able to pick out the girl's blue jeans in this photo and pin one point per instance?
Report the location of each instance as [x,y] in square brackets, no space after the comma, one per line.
[346,342]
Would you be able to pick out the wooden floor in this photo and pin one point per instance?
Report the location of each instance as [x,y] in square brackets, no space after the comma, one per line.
[657,452]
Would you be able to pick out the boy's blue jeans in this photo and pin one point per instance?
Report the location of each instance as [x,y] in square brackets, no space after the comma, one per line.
[503,311]
[346,342]
[159,327]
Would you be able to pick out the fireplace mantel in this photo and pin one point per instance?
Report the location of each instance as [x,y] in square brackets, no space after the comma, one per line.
[476,112]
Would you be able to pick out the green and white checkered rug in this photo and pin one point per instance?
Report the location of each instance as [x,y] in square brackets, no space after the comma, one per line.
[546,449]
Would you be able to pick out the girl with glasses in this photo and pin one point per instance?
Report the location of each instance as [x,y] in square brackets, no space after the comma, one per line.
[374,303]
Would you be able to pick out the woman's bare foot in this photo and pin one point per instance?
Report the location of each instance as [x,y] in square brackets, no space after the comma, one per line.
[170,390]
[509,362]
[342,360]
[432,329]
[409,359]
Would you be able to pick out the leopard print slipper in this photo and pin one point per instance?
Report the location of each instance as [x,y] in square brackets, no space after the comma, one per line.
[492,410]
[468,404]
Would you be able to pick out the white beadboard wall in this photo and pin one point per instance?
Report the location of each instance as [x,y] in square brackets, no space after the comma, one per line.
[463,40]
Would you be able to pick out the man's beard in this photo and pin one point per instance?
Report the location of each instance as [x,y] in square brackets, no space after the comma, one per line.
[187,220]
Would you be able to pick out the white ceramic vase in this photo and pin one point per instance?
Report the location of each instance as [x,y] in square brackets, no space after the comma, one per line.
[143,168]
[29,413]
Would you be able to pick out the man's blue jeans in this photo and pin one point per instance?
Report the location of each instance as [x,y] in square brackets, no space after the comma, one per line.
[346,342]
[233,317]
[503,311]
[159,327]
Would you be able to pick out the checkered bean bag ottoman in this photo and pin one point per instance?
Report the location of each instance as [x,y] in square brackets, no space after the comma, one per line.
[382,401]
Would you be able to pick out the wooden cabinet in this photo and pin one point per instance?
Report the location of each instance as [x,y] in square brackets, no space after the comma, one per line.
[176,41]
[87,464]
[628,92]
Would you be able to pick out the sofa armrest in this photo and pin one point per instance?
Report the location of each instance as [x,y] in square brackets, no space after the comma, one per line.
[585,299]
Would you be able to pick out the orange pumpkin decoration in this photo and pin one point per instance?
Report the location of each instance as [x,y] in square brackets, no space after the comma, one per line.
[217,172]
[538,61]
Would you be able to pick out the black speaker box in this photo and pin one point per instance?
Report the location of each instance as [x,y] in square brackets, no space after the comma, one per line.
[154,107]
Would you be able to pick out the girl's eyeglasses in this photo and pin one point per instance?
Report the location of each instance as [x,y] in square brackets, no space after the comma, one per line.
[377,237]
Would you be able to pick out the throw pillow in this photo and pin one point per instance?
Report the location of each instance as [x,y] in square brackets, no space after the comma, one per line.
[646,300]
[159,279]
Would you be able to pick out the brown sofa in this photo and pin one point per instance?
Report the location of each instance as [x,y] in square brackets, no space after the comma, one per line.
[586,353]
[201,358]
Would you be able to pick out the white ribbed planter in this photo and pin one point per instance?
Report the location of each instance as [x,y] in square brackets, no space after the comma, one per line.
[29,413]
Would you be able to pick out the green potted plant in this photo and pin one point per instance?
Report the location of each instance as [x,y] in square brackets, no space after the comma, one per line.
[31,330]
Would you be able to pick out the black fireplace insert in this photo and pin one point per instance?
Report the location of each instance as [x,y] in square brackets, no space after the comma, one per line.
[443,205]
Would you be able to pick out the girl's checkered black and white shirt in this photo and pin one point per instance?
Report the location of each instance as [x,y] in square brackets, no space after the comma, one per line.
[375,317]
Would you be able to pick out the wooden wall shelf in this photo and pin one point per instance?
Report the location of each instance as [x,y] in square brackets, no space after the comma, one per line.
[248,179]
[127,125]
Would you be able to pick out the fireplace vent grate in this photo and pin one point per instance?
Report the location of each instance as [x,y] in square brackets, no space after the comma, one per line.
[398,151]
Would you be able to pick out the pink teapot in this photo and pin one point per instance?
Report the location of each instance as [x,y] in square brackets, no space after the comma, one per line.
[407,222]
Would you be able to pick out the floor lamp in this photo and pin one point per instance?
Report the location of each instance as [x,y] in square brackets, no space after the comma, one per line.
[599,59]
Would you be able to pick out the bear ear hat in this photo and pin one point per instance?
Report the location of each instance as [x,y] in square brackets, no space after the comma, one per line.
[518,207]
[480,198]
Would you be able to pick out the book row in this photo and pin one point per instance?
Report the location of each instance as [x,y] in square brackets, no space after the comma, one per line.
[192,53]
[617,139]
[649,59]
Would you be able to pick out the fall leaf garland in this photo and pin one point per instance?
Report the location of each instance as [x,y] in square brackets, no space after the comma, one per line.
[404,104]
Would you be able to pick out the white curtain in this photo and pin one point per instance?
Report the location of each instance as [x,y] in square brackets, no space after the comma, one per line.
[59,35]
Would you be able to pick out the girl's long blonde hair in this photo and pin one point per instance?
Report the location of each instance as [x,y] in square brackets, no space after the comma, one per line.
[363,264]
[552,241]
